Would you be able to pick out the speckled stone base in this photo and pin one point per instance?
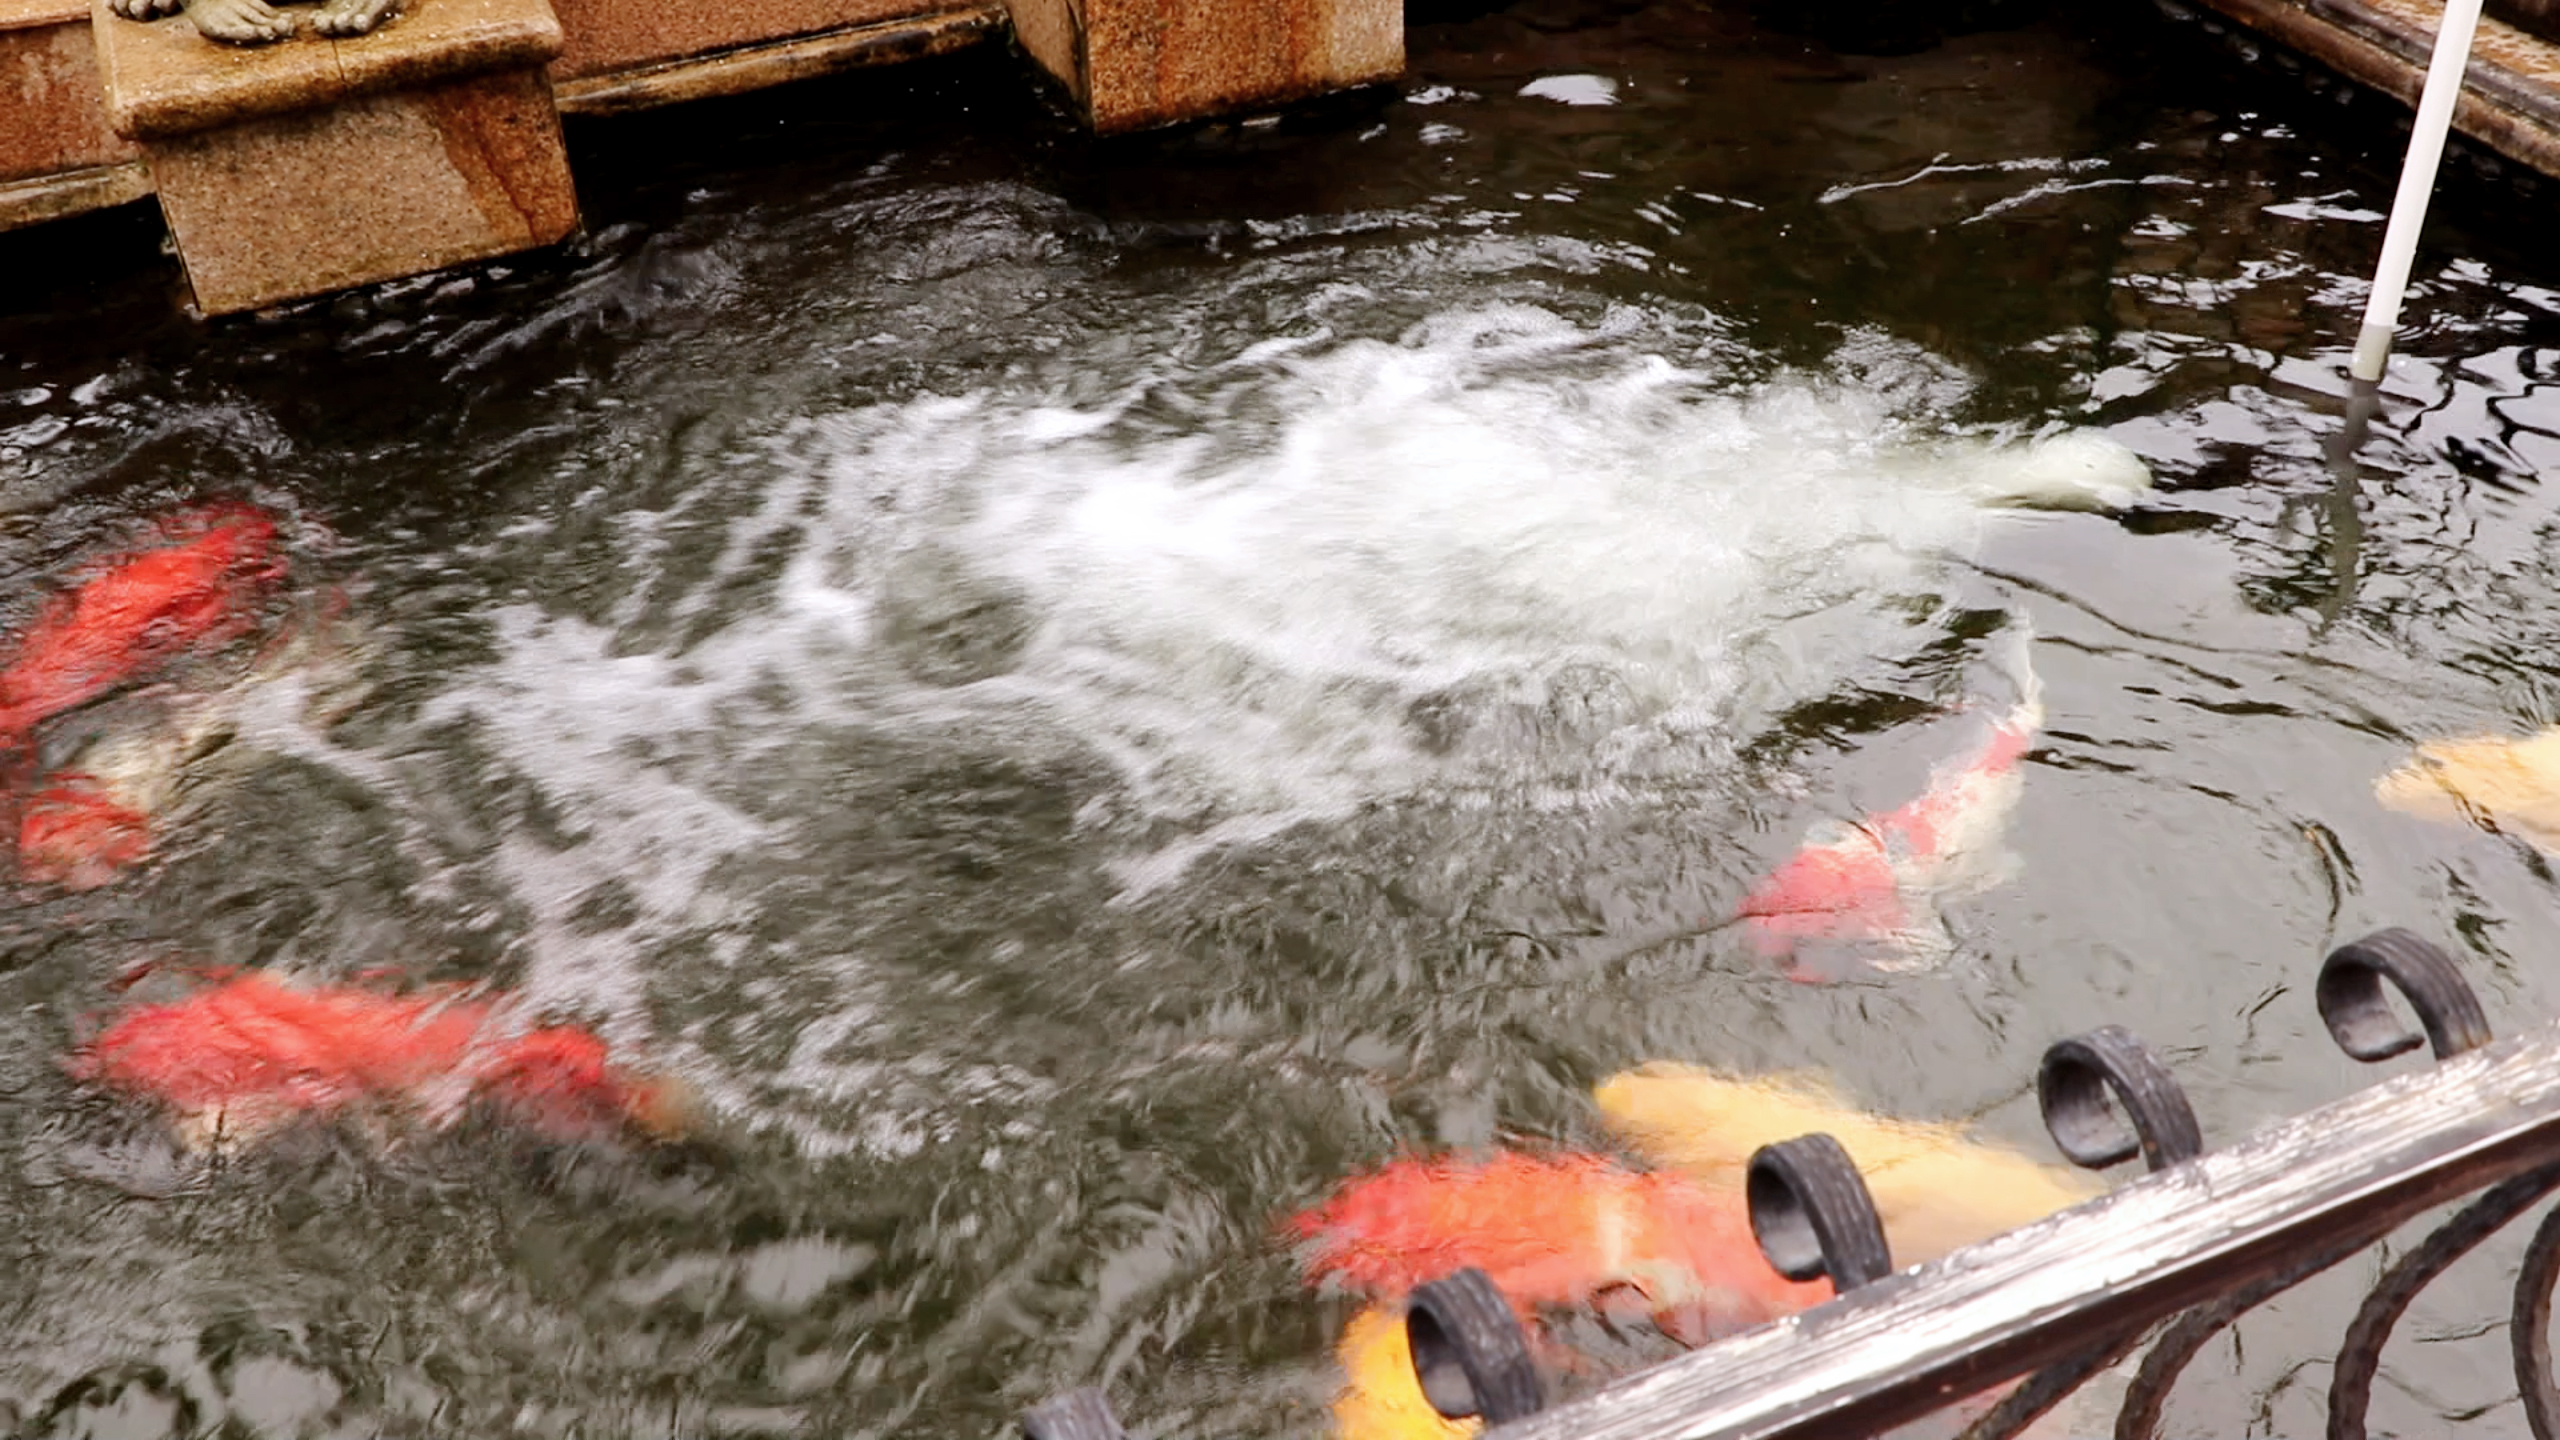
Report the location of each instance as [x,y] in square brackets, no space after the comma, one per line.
[610,36]
[1130,64]
[56,122]
[311,165]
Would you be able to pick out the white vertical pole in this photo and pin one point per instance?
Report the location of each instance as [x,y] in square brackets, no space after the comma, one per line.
[2417,179]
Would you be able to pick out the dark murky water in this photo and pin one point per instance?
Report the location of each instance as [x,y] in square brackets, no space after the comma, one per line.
[1082,693]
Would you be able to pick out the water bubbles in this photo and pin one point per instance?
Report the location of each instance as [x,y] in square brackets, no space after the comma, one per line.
[1573,89]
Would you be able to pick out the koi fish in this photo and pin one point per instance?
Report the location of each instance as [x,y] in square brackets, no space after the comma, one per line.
[1380,1398]
[2511,785]
[121,771]
[1550,1230]
[1874,888]
[196,591]
[1582,1231]
[78,835]
[1567,1230]
[252,1054]
[1936,1187]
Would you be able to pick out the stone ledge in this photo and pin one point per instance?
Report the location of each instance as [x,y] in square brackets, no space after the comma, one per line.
[618,36]
[73,192]
[2510,100]
[164,80]
[53,118]
[1132,64]
[753,67]
[28,14]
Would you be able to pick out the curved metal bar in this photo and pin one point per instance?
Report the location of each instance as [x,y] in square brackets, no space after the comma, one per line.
[2049,1387]
[1469,1353]
[2072,1086]
[2530,1331]
[2359,1017]
[1812,1215]
[2351,1382]
[2147,1398]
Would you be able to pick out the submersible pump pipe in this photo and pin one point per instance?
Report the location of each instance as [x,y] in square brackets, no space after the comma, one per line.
[2417,181]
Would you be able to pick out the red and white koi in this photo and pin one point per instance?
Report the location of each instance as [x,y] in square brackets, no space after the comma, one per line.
[253,1053]
[130,685]
[122,773]
[195,590]
[1873,888]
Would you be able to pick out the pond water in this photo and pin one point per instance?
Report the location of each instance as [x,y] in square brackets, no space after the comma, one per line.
[1082,693]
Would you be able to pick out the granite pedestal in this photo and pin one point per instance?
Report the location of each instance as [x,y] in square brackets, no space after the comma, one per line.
[312,164]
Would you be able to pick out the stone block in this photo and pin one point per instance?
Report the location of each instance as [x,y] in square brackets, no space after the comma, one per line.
[54,119]
[369,189]
[603,75]
[310,165]
[1130,64]
[603,36]
[164,79]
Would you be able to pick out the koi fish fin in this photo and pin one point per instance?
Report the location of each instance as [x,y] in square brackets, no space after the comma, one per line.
[2016,657]
[1921,942]
[2075,470]
[1987,870]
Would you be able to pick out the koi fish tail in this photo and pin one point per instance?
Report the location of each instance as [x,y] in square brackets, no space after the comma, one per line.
[78,834]
[2016,657]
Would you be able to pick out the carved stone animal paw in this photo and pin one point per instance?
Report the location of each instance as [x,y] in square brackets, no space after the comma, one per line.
[353,17]
[238,22]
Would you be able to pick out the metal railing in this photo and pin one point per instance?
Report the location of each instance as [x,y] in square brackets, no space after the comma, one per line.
[2173,1258]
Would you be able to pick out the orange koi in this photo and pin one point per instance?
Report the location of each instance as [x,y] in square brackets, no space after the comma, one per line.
[130,766]
[253,1053]
[193,592]
[1568,1230]
[1550,1230]
[74,834]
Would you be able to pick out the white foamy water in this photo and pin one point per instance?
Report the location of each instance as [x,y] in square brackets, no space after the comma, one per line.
[1501,559]
[1504,554]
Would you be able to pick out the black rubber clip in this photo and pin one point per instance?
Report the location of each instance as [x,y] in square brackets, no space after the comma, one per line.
[1812,1215]
[1469,1352]
[1076,1415]
[2359,1015]
[2072,1086]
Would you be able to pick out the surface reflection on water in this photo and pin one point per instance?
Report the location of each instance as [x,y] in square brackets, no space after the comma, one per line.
[1083,692]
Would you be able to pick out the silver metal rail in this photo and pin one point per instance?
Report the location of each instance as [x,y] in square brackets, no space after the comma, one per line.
[2190,1247]
[2319,1186]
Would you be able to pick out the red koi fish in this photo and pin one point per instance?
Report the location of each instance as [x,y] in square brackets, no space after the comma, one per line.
[1577,1232]
[194,591]
[1873,888]
[1570,1231]
[253,1053]
[75,834]
[130,767]
[1552,1230]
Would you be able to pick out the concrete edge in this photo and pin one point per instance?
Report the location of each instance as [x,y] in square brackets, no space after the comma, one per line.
[755,67]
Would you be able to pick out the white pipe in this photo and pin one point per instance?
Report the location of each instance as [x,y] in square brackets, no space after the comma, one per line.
[2417,179]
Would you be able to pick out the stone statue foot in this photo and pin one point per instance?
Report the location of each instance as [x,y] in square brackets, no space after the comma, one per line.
[353,17]
[146,9]
[241,22]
